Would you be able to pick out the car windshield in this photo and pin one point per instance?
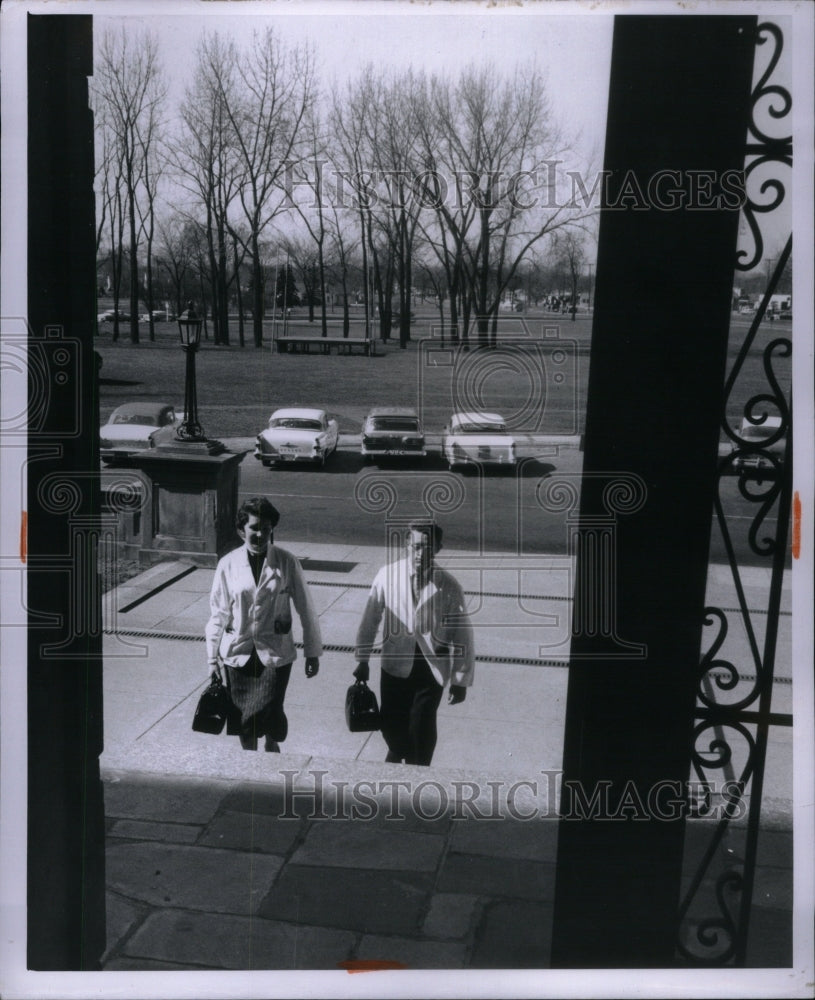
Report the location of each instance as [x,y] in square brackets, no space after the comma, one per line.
[299,423]
[395,424]
[480,428]
[150,419]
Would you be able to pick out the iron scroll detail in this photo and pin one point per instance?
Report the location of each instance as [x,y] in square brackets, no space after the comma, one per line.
[736,671]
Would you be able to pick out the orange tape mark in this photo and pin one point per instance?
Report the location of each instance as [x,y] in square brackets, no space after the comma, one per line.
[23,536]
[370,965]
[796,526]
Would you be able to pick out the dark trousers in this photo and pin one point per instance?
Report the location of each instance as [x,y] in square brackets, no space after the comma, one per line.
[408,713]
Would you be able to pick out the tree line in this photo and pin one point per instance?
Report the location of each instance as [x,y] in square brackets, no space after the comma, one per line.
[371,187]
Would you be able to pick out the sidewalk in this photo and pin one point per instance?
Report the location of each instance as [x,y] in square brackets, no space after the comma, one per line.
[323,854]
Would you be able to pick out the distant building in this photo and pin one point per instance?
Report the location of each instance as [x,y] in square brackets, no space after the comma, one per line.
[780,303]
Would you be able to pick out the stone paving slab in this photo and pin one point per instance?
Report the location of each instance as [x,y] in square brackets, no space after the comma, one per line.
[360,845]
[207,879]
[251,831]
[232,942]
[500,877]
[369,901]
[514,935]
[412,953]
[533,840]
[166,604]
[167,833]
[189,619]
[162,798]
[451,915]
[121,915]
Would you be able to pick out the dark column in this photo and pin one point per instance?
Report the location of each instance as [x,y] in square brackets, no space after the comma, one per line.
[66,928]
[679,100]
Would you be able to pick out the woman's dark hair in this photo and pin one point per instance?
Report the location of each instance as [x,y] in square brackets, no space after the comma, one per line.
[262,509]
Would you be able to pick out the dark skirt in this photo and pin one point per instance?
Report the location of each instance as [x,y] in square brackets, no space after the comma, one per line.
[257,693]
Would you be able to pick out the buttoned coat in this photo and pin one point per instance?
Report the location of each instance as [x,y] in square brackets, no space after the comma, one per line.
[243,613]
[438,623]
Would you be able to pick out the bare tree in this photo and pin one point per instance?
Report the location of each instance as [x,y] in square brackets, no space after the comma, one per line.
[275,92]
[207,164]
[313,214]
[109,216]
[128,83]
[569,250]
[486,136]
[398,161]
[175,257]
[353,160]
[150,139]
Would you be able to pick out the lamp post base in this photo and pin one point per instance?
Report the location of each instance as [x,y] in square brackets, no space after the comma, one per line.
[193,501]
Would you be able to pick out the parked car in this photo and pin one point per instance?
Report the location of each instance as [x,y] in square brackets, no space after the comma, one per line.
[389,431]
[158,316]
[136,426]
[109,315]
[747,461]
[297,435]
[477,438]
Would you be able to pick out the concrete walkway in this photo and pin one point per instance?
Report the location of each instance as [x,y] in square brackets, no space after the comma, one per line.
[323,855]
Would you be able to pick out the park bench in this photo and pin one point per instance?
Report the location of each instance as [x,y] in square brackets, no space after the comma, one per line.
[324,345]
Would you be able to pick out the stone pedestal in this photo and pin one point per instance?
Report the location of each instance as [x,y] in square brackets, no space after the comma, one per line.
[193,499]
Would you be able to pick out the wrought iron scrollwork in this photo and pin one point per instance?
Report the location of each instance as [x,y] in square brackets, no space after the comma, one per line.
[763,148]
[734,692]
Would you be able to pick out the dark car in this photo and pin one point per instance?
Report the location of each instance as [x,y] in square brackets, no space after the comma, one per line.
[392,431]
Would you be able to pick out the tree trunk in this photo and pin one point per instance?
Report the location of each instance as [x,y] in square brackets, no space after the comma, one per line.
[257,293]
[152,325]
[222,301]
[321,270]
[238,292]
[134,270]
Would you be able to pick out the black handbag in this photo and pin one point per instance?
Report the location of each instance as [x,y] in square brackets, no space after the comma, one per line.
[212,709]
[361,709]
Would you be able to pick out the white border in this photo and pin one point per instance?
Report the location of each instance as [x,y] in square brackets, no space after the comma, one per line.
[482,983]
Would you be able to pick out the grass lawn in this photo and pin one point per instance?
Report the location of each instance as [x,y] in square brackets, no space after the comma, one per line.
[238,387]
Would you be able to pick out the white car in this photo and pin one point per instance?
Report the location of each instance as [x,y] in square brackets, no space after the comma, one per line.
[757,434]
[136,426]
[297,435]
[389,431]
[475,438]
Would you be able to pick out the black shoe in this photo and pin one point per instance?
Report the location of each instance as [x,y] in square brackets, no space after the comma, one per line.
[272,746]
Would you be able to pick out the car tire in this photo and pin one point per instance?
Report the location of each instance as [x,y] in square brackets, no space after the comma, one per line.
[267,463]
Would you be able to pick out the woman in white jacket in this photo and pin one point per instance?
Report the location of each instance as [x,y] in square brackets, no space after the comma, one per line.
[248,635]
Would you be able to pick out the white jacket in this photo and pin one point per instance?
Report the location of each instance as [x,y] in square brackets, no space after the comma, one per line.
[243,614]
[439,624]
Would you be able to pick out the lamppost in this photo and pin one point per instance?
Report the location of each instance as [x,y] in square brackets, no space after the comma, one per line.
[189,328]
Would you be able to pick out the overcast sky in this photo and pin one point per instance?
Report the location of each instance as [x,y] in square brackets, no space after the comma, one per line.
[573,51]
[570,43]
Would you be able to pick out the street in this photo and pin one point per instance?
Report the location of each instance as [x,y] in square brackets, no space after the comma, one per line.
[499,511]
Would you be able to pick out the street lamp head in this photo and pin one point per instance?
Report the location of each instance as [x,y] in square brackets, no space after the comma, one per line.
[189,327]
